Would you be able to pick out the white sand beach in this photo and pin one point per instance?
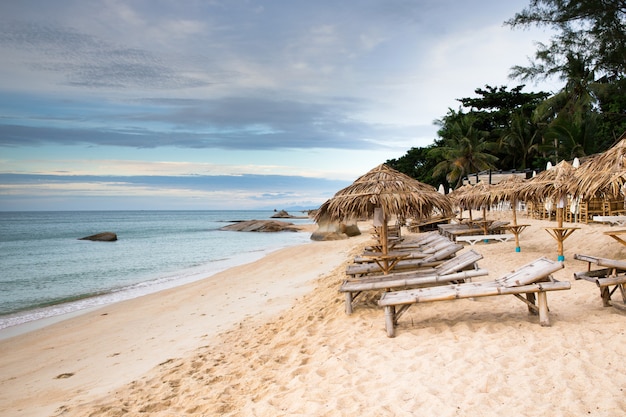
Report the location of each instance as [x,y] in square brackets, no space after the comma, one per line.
[271,338]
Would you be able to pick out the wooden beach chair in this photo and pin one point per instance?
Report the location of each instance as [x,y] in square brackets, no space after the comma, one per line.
[533,278]
[612,275]
[457,269]
[495,228]
[451,230]
[414,242]
[409,252]
[428,224]
[473,239]
[430,261]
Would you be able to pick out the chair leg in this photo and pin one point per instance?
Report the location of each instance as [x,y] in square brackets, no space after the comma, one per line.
[544,318]
[348,303]
[390,312]
[531,299]
[605,293]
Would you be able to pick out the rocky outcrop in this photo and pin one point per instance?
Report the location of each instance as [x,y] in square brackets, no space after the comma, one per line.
[282,215]
[101,237]
[320,236]
[261,226]
[349,229]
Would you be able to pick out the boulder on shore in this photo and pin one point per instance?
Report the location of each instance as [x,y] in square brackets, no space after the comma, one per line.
[261,226]
[328,230]
[101,237]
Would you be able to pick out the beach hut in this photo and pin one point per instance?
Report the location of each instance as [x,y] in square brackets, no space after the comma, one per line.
[383,193]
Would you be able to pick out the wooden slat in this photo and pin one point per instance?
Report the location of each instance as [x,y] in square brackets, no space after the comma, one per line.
[605,282]
[466,290]
[355,286]
[530,272]
[463,261]
[432,260]
[606,262]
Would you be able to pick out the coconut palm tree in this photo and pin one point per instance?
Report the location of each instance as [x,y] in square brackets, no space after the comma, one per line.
[466,149]
[521,140]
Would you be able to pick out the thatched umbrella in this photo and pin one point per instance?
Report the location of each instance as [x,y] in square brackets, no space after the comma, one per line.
[388,192]
[603,175]
[459,196]
[553,184]
[479,196]
[509,190]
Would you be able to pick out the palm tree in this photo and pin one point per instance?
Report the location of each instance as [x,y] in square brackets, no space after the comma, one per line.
[570,117]
[465,149]
[521,140]
[568,137]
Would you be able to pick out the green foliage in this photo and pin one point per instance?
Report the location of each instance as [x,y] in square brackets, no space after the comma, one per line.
[495,106]
[588,52]
[611,95]
[519,143]
[593,30]
[465,148]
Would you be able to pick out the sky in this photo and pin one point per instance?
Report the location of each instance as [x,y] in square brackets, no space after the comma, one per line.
[232,104]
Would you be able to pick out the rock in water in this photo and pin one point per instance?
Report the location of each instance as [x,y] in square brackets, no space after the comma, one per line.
[101,237]
[282,215]
[261,226]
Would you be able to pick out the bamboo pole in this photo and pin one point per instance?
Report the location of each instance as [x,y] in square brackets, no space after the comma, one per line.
[467,290]
[407,282]
[603,282]
[542,300]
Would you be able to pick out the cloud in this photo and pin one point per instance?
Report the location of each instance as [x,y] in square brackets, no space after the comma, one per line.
[230,123]
[293,88]
[84,60]
[237,75]
[160,192]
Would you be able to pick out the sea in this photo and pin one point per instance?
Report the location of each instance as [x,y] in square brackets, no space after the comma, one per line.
[47,271]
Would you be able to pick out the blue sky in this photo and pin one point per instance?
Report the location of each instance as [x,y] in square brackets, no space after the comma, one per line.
[233,104]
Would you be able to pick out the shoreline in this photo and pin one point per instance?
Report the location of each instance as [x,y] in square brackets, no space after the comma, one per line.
[95,351]
[303,356]
[26,320]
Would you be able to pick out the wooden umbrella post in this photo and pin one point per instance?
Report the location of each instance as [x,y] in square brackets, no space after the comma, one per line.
[485,219]
[515,230]
[385,243]
[380,221]
[509,190]
[560,233]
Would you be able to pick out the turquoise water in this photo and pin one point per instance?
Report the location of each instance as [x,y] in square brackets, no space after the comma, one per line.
[46,270]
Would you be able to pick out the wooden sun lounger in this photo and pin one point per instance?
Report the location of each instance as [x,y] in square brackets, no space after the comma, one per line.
[416,242]
[409,253]
[432,260]
[453,232]
[429,223]
[533,278]
[457,269]
[613,274]
[612,220]
[473,239]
